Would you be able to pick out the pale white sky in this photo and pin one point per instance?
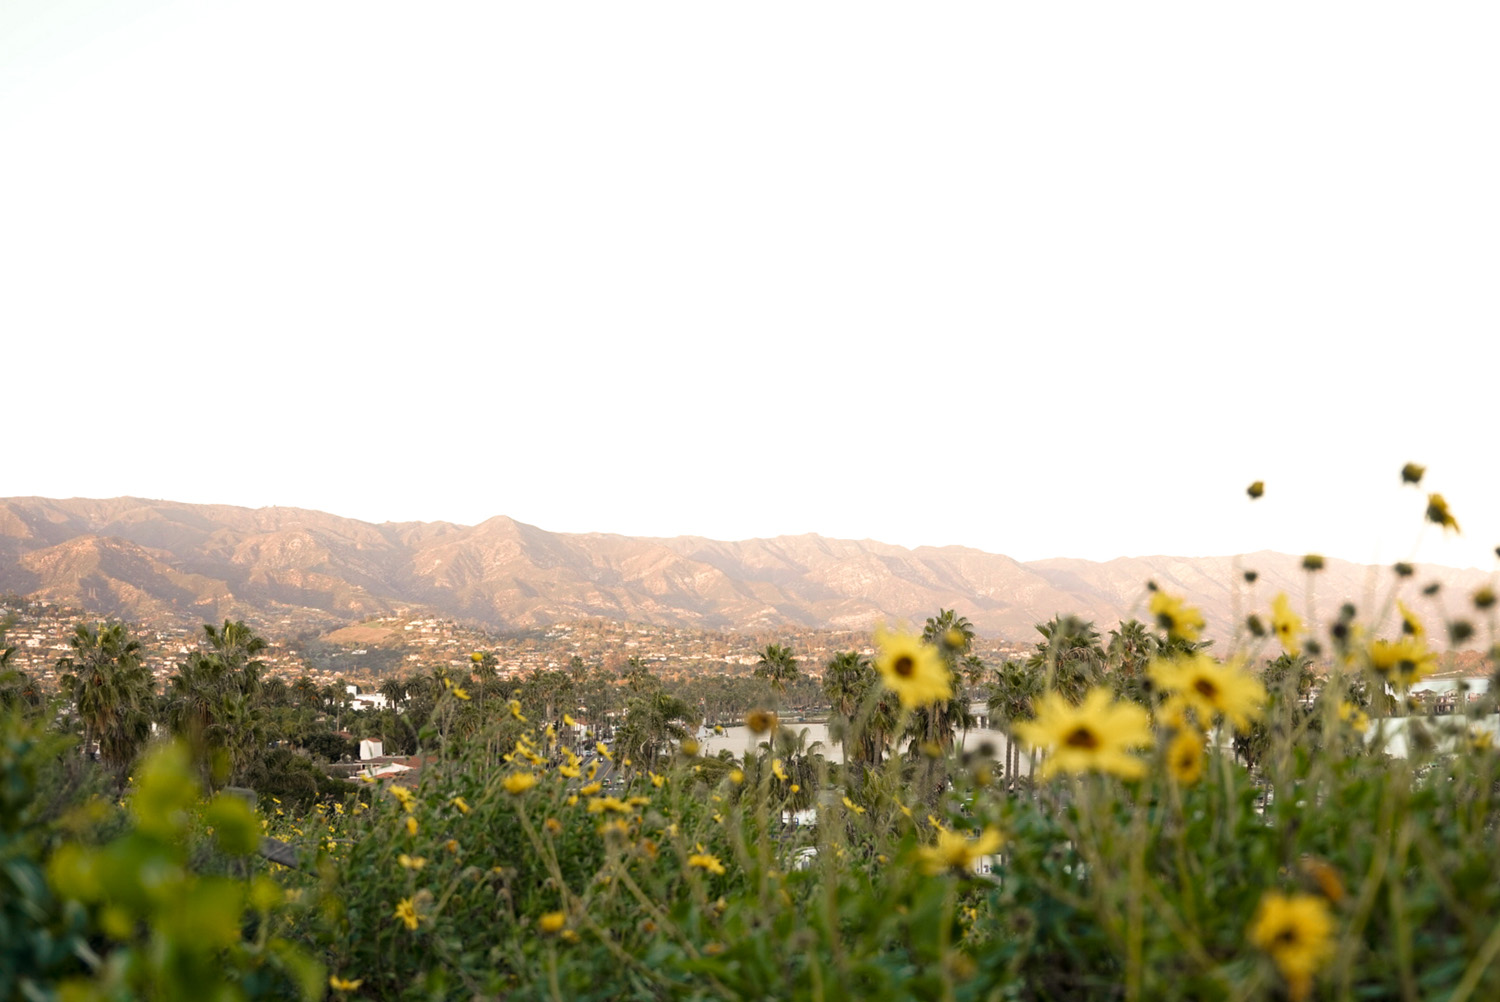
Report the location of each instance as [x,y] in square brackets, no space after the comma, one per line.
[1043,279]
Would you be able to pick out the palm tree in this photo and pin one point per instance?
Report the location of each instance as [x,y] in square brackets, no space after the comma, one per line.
[211,702]
[777,666]
[1131,648]
[1069,656]
[112,690]
[862,714]
[1011,699]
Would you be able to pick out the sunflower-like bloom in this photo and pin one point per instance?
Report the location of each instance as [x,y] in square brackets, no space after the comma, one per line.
[913,670]
[515,710]
[1286,624]
[778,771]
[591,789]
[1354,717]
[955,852]
[552,922]
[411,825]
[853,806]
[518,783]
[407,912]
[1185,757]
[1297,932]
[1438,513]
[461,804]
[1411,626]
[599,805]
[760,721]
[704,861]
[1093,737]
[1211,689]
[1181,621]
[1400,662]
[411,862]
[339,984]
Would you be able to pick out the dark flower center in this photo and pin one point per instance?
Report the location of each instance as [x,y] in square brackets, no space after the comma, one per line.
[1083,738]
[1286,937]
[905,666]
[1206,689]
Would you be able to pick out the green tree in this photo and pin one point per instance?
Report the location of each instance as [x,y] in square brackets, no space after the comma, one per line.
[112,691]
[778,666]
[212,702]
[1069,656]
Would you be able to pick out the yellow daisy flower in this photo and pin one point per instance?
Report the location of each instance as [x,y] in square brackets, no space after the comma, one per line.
[515,710]
[760,721]
[598,805]
[1185,757]
[736,776]
[914,671]
[1438,513]
[407,912]
[1354,717]
[1400,662]
[591,789]
[1211,689]
[404,796]
[777,770]
[853,806]
[1182,622]
[1411,626]
[339,984]
[411,825]
[552,922]
[518,783]
[1093,737]
[1297,931]
[411,862]
[704,861]
[461,804]
[955,852]
[1286,624]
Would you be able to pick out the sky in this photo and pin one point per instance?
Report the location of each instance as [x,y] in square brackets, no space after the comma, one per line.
[1047,280]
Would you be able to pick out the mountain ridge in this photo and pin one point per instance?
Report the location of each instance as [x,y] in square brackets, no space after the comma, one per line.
[133,557]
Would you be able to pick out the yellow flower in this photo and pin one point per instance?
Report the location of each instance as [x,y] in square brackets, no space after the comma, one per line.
[914,671]
[1354,717]
[461,804]
[411,862]
[1438,513]
[515,710]
[1410,625]
[598,805]
[689,746]
[411,825]
[407,912]
[1185,757]
[460,693]
[552,922]
[1400,662]
[568,719]
[1093,737]
[704,861]
[339,984]
[404,796]
[760,721]
[656,780]
[1182,622]
[591,789]
[777,770]
[451,845]
[518,783]
[476,657]
[553,826]
[570,771]
[736,776]
[1286,624]
[603,750]
[1297,931]
[1211,689]
[955,852]
[853,806]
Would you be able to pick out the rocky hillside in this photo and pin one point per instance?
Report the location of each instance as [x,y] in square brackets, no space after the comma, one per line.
[140,558]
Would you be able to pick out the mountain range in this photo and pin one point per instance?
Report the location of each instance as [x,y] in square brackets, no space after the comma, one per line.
[151,560]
